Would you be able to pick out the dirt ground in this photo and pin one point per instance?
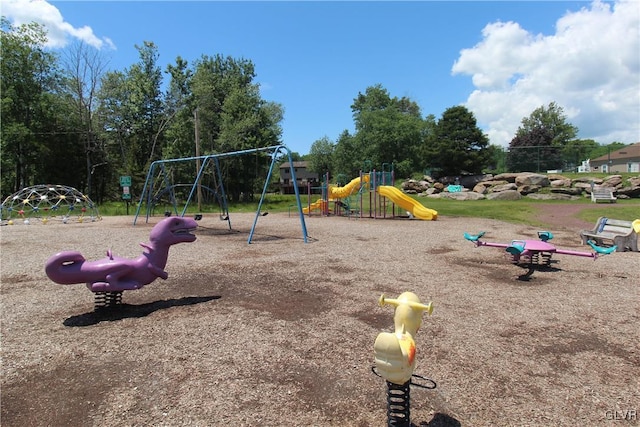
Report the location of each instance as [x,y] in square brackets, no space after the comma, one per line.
[280,332]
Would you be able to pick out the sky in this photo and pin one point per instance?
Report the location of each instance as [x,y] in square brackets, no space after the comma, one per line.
[499,59]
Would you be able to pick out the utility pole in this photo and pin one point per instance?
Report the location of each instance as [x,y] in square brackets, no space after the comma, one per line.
[197,137]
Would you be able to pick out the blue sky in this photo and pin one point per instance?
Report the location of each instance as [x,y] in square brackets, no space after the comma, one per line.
[500,59]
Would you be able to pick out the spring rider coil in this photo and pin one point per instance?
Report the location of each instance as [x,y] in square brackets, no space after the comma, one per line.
[105,300]
[395,356]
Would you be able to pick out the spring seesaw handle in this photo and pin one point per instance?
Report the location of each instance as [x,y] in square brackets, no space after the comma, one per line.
[415,305]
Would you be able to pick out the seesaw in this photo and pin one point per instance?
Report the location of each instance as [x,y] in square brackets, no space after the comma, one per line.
[536,254]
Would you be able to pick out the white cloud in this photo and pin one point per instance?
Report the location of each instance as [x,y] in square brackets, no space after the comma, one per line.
[59,31]
[590,67]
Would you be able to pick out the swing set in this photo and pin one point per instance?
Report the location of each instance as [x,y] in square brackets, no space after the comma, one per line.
[159,187]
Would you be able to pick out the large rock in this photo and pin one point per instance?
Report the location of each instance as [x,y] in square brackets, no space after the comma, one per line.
[612,181]
[552,196]
[466,195]
[588,180]
[505,195]
[630,192]
[532,179]
[509,177]
[504,187]
[480,188]
[528,189]
[573,191]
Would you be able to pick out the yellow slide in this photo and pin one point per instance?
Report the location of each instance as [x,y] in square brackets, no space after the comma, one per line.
[408,203]
[636,225]
[347,190]
[318,204]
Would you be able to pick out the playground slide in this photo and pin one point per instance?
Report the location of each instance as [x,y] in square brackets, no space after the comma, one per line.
[315,205]
[347,190]
[406,202]
[636,225]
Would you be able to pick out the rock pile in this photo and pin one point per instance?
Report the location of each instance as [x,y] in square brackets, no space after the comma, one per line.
[514,186]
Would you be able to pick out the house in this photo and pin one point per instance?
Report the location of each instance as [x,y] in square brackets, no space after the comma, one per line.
[304,177]
[626,159]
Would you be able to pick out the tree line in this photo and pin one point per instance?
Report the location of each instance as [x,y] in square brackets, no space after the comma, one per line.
[68,120]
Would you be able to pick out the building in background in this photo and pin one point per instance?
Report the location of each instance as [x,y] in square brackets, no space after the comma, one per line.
[626,159]
[304,177]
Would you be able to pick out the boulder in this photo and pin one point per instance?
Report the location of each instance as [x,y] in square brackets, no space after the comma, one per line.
[528,189]
[572,191]
[505,195]
[509,177]
[480,188]
[612,181]
[552,196]
[504,187]
[463,195]
[532,179]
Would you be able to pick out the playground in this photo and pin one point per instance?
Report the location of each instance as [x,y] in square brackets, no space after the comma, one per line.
[280,332]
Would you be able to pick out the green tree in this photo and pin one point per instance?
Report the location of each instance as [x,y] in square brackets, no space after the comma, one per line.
[30,107]
[347,160]
[388,130]
[179,104]
[321,156]
[84,67]
[458,146]
[132,116]
[576,151]
[540,140]
[234,117]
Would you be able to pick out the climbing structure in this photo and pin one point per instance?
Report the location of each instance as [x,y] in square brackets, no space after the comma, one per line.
[44,203]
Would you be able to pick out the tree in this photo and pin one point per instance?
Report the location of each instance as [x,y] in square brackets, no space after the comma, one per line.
[388,130]
[458,147]
[321,156]
[540,140]
[84,67]
[346,157]
[576,151]
[132,116]
[233,117]
[29,107]
[179,104]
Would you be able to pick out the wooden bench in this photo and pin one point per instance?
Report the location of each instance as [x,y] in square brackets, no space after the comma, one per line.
[609,232]
[602,194]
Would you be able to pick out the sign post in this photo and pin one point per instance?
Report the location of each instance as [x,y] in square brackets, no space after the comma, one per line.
[125,183]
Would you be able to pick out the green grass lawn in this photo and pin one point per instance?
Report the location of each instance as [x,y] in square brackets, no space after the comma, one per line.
[523,211]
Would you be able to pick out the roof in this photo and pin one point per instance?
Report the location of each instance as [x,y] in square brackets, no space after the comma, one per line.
[301,164]
[630,151]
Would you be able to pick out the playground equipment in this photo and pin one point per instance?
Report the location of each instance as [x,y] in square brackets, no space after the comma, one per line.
[536,254]
[418,210]
[395,356]
[375,184]
[44,203]
[112,275]
[158,181]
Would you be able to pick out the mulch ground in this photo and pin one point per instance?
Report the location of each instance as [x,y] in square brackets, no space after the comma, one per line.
[280,332]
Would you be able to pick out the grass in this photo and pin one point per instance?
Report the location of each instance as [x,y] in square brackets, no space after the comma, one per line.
[523,211]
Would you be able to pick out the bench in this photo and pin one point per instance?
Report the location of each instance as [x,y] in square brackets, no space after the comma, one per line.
[602,194]
[609,232]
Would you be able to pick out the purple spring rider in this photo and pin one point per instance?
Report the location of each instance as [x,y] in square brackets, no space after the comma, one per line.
[110,276]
